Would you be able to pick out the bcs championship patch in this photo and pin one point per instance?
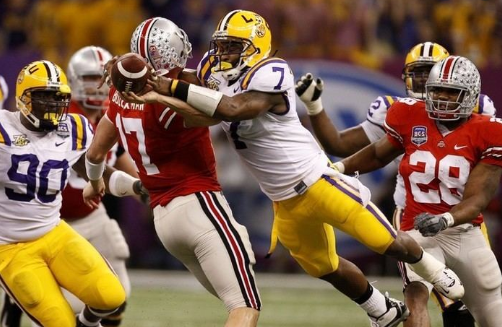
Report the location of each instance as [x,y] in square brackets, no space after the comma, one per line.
[419,135]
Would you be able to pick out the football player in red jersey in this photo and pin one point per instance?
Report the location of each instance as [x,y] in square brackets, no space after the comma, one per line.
[85,70]
[419,61]
[177,166]
[451,168]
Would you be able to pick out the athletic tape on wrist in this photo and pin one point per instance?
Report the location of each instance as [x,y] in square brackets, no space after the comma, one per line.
[201,98]
[314,107]
[450,221]
[94,171]
[339,166]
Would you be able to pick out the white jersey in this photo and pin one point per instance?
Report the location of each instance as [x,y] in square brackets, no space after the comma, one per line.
[282,155]
[375,119]
[34,169]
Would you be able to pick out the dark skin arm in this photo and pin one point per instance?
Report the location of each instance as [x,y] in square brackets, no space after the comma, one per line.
[338,143]
[480,188]
[372,157]
[247,105]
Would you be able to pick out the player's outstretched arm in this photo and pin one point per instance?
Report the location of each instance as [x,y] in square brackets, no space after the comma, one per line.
[480,189]
[372,157]
[337,143]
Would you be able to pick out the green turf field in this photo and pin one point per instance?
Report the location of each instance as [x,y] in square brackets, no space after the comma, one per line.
[174,299]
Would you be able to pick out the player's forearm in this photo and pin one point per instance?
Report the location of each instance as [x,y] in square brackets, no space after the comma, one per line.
[334,142]
[480,188]
[363,161]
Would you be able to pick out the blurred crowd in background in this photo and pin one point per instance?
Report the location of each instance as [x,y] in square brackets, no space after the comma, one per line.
[375,34]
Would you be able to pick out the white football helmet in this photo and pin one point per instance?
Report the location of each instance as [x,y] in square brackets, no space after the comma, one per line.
[162,43]
[4,91]
[457,73]
[85,70]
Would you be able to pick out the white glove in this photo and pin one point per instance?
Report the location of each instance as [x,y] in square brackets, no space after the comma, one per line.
[309,91]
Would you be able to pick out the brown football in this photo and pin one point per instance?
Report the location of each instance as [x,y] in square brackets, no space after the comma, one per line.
[130,73]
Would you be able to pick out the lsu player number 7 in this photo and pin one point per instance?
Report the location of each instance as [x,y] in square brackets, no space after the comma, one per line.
[253,96]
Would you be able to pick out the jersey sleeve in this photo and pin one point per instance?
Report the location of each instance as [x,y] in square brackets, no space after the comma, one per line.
[271,75]
[491,134]
[395,122]
[204,68]
[81,132]
[375,117]
[111,111]
[485,106]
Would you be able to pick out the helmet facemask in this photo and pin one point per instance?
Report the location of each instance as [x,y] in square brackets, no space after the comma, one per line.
[415,76]
[243,35]
[44,109]
[85,91]
[85,70]
[452,90]
[224,50]
[418,63]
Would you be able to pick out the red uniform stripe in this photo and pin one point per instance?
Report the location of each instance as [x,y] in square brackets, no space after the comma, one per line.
[142,46]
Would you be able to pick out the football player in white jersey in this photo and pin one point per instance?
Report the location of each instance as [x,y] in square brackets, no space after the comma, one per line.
[253,95]
[85,70]
[418,64]
[39,252]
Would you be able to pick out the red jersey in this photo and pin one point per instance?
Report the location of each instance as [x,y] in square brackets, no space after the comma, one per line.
[73,206]
[436,166]
[172,160]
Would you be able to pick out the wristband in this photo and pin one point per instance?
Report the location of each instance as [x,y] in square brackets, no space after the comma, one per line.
[203,99]
[94,171]
[339,166]
[121,184]
[450,221]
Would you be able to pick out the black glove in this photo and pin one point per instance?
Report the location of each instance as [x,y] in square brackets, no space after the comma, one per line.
[309,91]
[429,225]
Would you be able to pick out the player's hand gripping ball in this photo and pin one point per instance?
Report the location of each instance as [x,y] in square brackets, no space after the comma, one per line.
[130,73]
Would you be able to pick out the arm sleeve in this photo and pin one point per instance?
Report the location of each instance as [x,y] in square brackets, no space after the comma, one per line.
[491,134]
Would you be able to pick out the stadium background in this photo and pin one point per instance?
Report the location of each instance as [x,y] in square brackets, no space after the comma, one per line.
[357,46]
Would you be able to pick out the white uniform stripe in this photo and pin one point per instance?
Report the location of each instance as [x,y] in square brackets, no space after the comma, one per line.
[225,20]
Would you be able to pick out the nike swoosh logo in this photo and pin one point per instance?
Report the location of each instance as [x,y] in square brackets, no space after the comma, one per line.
[458,147]
[236,89]
[58,144]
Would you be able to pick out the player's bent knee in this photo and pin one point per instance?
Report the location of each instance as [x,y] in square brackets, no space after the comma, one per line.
[110,293]
[55,316]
